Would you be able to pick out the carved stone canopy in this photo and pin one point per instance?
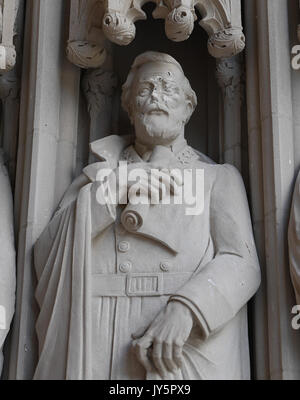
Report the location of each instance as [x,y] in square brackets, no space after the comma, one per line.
[93,21]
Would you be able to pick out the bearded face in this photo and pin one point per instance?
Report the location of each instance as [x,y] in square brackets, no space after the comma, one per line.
[160,105]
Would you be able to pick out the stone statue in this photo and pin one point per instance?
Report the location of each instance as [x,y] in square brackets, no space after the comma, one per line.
[7,258]
[146,289]
[294,240]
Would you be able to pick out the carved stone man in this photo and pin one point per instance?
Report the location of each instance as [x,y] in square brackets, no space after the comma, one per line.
[139,291]
[7,258]
[294,240]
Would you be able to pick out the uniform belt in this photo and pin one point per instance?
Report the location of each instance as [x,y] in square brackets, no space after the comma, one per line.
[135,284]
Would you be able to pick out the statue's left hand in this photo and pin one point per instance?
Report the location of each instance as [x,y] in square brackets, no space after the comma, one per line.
[160,347]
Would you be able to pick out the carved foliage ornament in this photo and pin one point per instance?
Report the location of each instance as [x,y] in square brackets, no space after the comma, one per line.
[93,20]
[221,20]
[8,14]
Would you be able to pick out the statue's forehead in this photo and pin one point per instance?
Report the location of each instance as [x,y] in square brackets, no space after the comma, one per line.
[157,71]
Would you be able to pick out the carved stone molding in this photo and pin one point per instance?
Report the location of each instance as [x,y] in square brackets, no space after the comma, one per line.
[221,20]
[8,14]
[229,72]
[10,100]
[99,86]
[86,45]
[120,16]
[92,20]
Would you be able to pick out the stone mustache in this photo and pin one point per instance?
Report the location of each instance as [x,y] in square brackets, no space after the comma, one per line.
[167,299]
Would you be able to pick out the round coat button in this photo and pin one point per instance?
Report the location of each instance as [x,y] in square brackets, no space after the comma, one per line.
[125,267]
[165,266]
[124,247]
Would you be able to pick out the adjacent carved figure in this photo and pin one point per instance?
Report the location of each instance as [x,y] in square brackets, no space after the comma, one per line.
[294,240]
[151,290]
[7,258]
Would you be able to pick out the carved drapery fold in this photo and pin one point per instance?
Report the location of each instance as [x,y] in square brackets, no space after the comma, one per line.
[93,20]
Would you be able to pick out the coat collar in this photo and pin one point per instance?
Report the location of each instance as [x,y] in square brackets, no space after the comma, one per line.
[175,148]
[113,147]
[110,148]
[109,151]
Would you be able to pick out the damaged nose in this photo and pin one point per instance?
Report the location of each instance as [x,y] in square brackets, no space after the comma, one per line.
[154,94]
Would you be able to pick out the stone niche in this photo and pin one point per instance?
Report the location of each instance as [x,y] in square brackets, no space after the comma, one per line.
[203,131]
[198,65]
[97,107]
[59,124]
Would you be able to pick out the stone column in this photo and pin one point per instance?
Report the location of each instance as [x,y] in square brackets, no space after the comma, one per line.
[10,98]
[99,87]
[272,171]
[229,79]
[46,157]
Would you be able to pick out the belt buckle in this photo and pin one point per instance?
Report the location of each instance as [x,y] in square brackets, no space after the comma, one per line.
[144,285]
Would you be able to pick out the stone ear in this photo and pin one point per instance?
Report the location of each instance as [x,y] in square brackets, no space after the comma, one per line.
[189,112]
[130,113]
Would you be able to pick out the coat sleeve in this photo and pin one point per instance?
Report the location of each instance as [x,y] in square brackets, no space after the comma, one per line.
[218,292]
[294,240]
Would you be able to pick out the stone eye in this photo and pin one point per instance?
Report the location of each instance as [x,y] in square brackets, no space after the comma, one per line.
[144,92]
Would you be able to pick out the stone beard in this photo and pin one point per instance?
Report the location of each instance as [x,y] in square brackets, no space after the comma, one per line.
[157,131]
[162,300]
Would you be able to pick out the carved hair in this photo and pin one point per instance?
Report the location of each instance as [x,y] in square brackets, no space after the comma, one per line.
[149,57]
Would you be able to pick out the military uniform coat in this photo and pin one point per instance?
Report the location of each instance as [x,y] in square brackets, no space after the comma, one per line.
[99,283]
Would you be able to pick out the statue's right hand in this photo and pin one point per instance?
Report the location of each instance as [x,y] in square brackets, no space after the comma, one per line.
[160,347]
[155,184]
[117,188]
